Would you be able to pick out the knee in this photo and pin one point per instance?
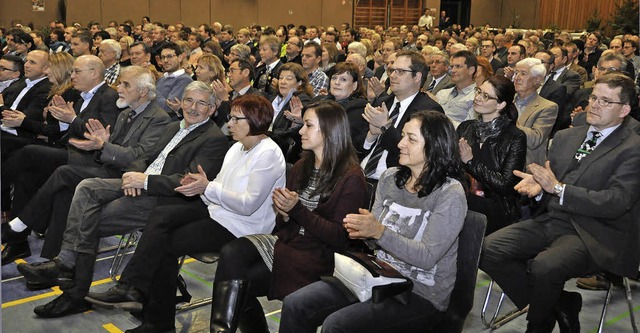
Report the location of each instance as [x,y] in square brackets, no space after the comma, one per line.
[545,270]
[337,323]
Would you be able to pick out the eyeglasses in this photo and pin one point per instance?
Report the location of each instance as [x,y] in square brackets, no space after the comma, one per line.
[2,69]
[78,71]
[234,119]
[593,99]
[399,71]
[200,105]
[483,96]
[168,56]
[606,70]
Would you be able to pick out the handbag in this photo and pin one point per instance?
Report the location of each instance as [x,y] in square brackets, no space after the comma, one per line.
[367,277]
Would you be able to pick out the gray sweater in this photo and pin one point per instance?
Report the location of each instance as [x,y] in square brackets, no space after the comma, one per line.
[421,235]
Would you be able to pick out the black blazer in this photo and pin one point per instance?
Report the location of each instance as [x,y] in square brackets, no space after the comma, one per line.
[51,127]
[392,136]
[102,107]
[220,117]
[206,145]
[556,93]
[32,103]
[285,133]
[274,74]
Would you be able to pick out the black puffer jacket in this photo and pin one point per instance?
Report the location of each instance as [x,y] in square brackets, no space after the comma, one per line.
[507,152]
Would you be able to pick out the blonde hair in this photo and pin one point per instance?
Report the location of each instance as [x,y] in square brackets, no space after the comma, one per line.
[214,64]
[60,64]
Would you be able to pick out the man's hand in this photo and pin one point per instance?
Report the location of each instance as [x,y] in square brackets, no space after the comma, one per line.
[133,180]
[221,90]
[12,118]
[173,104]
[544,176]
[62,110]
[527,186]
[374,88]
[193,183]
[508,72]
[376,117]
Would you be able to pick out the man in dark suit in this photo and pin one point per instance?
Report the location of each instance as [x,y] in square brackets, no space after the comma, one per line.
[226,39]
[269,67]
[101,208]
[136,132]
[11,70]
[588,220]
[240,74]
[24,99]
[564,75]
[379,150]
[293,51]
[486,50]
[438,72]
[551,90]
[29,167]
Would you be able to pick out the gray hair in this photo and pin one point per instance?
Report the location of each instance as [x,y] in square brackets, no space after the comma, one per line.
[113,45]
[359,48]
[610,55]
[536,67]
[141,78]
[444,55]
[244,51]
[202,87]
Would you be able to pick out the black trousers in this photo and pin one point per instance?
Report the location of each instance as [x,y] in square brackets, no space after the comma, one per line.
[531,260]
[173,231]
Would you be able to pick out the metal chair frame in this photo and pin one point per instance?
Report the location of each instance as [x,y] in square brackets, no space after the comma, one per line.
[607,300]
[126,242]
[495,321]
[207,258]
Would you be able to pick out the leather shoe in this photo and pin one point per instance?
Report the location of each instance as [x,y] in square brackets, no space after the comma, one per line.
[13,251]
[47,272]
[62,306]
[567,312]
[594,282]
[545,326]
[121,296]
[152,328]
[10,236]
[34,286]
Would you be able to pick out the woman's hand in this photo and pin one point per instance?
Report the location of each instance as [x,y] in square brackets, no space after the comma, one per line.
[295,115]
[465,151]
[193,183]
[363,225]
[284,200]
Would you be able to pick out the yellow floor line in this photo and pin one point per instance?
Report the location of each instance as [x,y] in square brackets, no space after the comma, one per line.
[272,313]
[55,291]
[111,328]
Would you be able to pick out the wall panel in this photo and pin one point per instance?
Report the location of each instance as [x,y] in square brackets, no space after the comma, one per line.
[163,10]
[573,14]
[238,13]
[113,10]
[195,12]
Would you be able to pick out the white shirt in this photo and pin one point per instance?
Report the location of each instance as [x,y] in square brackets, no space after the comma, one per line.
[240,197]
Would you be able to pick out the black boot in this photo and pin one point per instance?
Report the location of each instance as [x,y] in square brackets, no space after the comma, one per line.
[228,300]
[253,319]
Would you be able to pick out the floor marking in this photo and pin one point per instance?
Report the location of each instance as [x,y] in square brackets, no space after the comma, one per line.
[111,328]
[55,291]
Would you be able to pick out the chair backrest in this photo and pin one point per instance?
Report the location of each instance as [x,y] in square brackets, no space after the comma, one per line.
[469,247]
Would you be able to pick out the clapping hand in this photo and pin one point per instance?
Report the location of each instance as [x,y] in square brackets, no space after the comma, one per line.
[363,225]
[284,200]
[193,183]
[295,115]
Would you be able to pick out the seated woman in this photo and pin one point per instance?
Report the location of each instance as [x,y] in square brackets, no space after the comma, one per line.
[322,188]
[491,148]
[293,94]
[236,203]
[418,213]
[346,88]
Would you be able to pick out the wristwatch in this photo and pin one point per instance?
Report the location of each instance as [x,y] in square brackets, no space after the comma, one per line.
[385,127]
[558,188]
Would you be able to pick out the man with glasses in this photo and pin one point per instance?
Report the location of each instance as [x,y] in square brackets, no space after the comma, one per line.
[457,101]
[102,207]
[240,74]
[551,89]
[171,84]
[388,114]
[631,53]
[438,77]
[536,115]
[293,51]
[136,132]
[589,189]
[487,48]
[11,70]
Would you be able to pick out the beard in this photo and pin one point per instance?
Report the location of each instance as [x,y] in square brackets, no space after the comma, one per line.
[121,103]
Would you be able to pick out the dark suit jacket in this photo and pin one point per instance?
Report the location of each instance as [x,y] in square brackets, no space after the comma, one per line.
[496,64]
[145,131]
[391,137]
[554,92]
[601,195]
[206,145]
[32,103]
[220,117]
[274,74]
[51,127]
[571,80]
[445,83]
[285,133]
[102,107]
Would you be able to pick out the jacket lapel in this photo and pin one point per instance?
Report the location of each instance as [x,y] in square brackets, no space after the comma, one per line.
[573,142]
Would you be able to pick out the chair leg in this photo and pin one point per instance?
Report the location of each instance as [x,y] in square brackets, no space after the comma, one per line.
[604,308]
[496,322]
[125,243]
[627,290]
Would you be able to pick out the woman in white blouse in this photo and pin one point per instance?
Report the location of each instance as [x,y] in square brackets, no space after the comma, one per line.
[236,203]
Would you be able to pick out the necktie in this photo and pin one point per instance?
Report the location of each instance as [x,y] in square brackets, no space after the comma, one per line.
[432,85]
[131,115]
[454,92]
[588,146]
[372,164]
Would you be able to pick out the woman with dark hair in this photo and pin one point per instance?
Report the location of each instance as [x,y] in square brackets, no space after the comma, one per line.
[346,88]
[418,213]
[288,104]
[98,37]
[56,41]
[329,57]
[238,202]
[23,43]
[322,188]
[491,148]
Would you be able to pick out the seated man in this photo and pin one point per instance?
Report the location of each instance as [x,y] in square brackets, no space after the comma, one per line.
[587,224]
[311,58]
[171,85]
[11,70]
[104,207]
[457,101]
[136,132]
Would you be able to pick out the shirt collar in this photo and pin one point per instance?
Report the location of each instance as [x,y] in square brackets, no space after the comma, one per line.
[524,101]
[87,95]
[175,74]
[192,127]
[34,82]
